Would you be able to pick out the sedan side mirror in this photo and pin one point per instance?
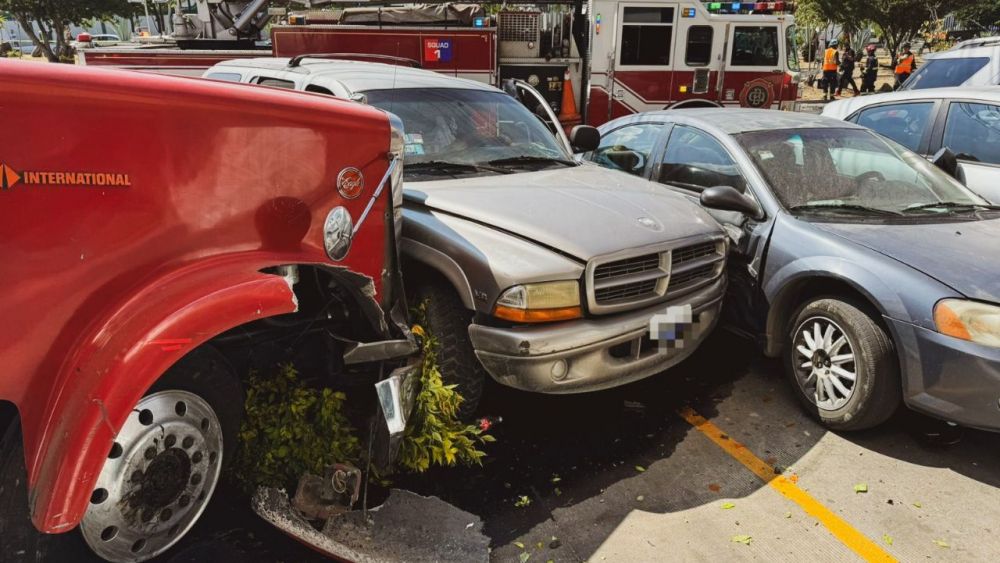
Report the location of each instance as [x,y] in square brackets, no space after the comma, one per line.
[728,198]
[946,161]
[584,138]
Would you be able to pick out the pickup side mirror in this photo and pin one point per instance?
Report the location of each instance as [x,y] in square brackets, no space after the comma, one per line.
[584,138]
[728,198]
[946,161]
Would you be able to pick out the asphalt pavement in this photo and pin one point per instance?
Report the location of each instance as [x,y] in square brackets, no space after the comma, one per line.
[713,460]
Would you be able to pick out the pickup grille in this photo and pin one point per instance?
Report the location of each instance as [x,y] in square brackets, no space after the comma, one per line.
[627,283]
[694,265]
[628,266]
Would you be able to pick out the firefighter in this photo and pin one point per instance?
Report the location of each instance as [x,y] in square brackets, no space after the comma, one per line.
[870,70]
[831,62]
[906,65]
[847,71]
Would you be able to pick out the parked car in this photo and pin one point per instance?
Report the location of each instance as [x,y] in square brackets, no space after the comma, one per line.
[539,271]
[88,40]
[964,120]
[861,264]
[974,62]
[148,273]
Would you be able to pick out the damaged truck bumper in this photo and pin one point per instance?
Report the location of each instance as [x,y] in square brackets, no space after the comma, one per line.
[596,353]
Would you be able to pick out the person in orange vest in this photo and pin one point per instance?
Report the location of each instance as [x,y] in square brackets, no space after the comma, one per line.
[831,62]
[906,65]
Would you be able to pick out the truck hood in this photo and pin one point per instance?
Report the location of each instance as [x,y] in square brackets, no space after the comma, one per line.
[958,254]
[583,211]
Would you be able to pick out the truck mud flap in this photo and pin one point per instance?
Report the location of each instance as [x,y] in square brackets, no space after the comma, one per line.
[407,527]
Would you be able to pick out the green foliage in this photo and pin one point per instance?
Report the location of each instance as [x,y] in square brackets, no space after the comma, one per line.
[54,17]
[289,429]
[979,14]
[434,435]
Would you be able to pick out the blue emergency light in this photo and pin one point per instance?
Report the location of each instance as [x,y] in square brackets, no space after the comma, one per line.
[735,7]
[479,22]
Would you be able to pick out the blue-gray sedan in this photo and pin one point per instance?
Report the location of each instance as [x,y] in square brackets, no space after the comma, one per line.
[874,274]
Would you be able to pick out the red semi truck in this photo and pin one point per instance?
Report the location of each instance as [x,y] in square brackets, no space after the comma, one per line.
[154,232]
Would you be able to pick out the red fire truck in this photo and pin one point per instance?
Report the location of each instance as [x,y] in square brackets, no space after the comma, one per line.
[617,56]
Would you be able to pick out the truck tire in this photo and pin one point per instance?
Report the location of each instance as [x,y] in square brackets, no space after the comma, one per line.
[161,471]
[448,321]
[842,365]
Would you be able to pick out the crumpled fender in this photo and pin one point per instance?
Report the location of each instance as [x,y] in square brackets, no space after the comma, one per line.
[68,438]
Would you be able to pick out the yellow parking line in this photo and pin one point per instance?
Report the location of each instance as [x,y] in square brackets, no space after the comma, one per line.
[847,534]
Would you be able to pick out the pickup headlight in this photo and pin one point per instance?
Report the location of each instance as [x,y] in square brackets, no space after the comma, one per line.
[968,320]
[540,302]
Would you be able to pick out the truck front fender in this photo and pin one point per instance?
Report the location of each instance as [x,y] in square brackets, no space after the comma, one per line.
[69,430]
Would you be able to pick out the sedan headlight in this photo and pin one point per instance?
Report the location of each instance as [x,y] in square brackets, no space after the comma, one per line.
[968,320]
[540,302]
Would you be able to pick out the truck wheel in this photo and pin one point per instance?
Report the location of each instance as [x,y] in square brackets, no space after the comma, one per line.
[448,321]
[159,475]
[842,365]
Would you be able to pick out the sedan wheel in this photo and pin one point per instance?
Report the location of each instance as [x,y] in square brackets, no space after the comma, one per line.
[842,364]
[826,371]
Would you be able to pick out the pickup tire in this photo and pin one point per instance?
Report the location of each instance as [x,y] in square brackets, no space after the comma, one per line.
[177,478]
[448,321]
[842,364]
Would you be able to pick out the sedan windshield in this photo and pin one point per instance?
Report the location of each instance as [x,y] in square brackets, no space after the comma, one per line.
[852,171]
[454,132]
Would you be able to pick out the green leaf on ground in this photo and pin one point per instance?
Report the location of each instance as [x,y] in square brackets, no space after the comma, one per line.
[727,505]
[522,501]
[887,539]
[640,468]
[918,505]
[942,544]
[745,540]
[519,545]
[788,515]
[557,491]
[524,556]
[555,478]
[861,488]
[640,498]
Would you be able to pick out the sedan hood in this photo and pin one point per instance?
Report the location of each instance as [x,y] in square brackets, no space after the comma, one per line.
[584,211]
[958,254]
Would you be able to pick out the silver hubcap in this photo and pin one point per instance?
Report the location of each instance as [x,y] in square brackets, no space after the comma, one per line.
[157,480]
[824,362]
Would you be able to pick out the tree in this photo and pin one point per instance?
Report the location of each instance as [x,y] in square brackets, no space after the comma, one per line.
[53,18]
[979,14]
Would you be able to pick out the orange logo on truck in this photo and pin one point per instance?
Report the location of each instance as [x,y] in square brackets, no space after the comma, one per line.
[9,178]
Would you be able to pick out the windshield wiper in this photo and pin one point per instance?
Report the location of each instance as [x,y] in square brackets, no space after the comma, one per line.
[842,207]
[446,166]
[528,159]
[951,205]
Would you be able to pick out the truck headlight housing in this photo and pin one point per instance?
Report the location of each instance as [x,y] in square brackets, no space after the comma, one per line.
[969,320]
[540,302]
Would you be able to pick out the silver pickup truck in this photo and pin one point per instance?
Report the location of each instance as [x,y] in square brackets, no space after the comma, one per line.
[547,274]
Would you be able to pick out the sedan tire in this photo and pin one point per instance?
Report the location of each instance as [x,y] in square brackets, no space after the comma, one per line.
[842,365]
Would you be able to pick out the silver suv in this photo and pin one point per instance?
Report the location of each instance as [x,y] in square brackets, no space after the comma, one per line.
[547,274]
[975,62]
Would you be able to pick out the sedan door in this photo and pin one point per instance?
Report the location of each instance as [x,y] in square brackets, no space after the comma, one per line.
[971,130]
[693,160]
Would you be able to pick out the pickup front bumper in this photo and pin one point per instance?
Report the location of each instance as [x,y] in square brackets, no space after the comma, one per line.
[594,353]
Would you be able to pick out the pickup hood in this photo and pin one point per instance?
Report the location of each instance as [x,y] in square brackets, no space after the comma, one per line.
[584,211]
[958,254]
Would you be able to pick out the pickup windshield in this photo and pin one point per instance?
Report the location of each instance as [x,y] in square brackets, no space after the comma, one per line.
[852,171]
[939,73]
[469,132]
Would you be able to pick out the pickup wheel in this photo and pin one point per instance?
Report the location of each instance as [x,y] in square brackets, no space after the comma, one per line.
[842,365]
[448,321]
[157,480]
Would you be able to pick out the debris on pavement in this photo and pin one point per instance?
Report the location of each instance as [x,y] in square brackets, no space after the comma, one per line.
[861,488]
[406,527]
[727,505]
[942,544]
[522,501]
[320,498]
[887,539]
[743,539]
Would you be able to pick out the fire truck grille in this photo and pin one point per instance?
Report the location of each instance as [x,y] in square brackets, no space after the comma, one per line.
[517,26]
